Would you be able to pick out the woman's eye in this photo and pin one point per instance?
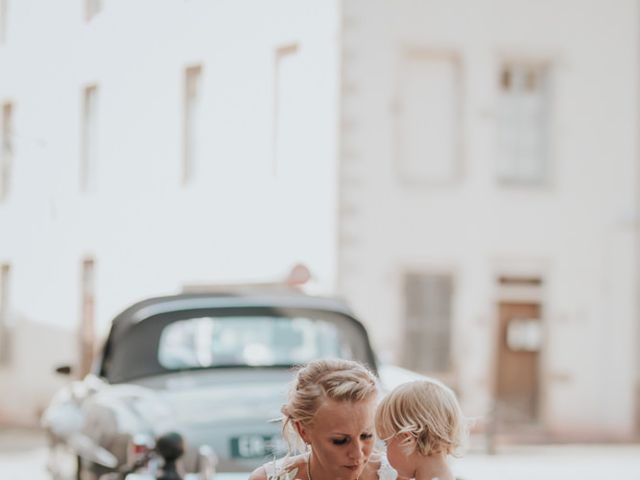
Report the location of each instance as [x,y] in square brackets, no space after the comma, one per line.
[366,436]
[339,441]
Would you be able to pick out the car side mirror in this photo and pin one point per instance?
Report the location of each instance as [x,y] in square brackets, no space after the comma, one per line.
[64,369]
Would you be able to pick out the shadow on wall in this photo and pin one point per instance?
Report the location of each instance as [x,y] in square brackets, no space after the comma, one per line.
[27,377]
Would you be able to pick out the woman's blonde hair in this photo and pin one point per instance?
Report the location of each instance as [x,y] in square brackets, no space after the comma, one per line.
[428,411]
[319,380]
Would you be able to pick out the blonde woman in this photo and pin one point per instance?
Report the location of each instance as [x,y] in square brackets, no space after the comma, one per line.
[421,423]
[329,416]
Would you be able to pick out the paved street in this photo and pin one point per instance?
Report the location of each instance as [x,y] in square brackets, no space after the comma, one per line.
[23,456]
[596,462]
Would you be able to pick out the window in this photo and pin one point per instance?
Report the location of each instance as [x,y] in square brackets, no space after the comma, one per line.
[288,105]
[250,340]
[87,316]
[429,110]
[92,8]
[6,149]
[523,124]
[192,123]
[3,21]
[89,140]
[5,330]
[428,299]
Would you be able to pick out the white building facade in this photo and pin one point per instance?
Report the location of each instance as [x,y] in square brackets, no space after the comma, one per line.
[149,146]
[465,173]
[489,203]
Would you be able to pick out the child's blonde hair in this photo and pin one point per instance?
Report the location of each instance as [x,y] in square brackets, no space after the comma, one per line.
[335,379]
[428,411]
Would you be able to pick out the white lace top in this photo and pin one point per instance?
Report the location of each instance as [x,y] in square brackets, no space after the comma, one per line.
[277,471]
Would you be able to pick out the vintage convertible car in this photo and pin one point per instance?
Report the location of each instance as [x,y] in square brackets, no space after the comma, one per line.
[213,367]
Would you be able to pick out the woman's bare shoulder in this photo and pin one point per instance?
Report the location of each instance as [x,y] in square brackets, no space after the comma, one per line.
[258,474]
[283,465]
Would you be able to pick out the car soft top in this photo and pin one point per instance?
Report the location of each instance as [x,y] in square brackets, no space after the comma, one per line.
[141,348]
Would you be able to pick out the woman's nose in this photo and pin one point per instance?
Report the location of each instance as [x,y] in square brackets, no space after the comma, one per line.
[357,450]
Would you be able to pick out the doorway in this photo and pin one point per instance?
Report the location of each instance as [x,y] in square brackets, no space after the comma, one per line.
[518,362]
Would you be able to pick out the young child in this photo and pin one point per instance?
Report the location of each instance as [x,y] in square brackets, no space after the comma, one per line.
[421,423]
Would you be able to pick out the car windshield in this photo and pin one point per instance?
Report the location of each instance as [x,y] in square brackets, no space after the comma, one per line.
[253,340]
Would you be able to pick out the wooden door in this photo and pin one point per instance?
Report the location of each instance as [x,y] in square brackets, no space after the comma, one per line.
[518,371]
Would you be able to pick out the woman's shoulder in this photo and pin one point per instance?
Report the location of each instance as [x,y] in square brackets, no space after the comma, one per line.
[282,469]
[258,474]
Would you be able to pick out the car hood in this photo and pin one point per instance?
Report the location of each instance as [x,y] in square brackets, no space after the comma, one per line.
[215,407]
[223,397]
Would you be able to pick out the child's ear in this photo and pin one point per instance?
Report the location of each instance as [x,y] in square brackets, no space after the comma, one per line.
[407,439]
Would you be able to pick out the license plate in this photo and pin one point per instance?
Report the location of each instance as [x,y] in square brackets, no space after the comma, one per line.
[256,446]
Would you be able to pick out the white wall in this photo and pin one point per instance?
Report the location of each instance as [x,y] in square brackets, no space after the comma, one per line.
[149,234]
[580,231]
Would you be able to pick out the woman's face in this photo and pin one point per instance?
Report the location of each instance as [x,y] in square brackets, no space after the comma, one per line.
[341,438]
